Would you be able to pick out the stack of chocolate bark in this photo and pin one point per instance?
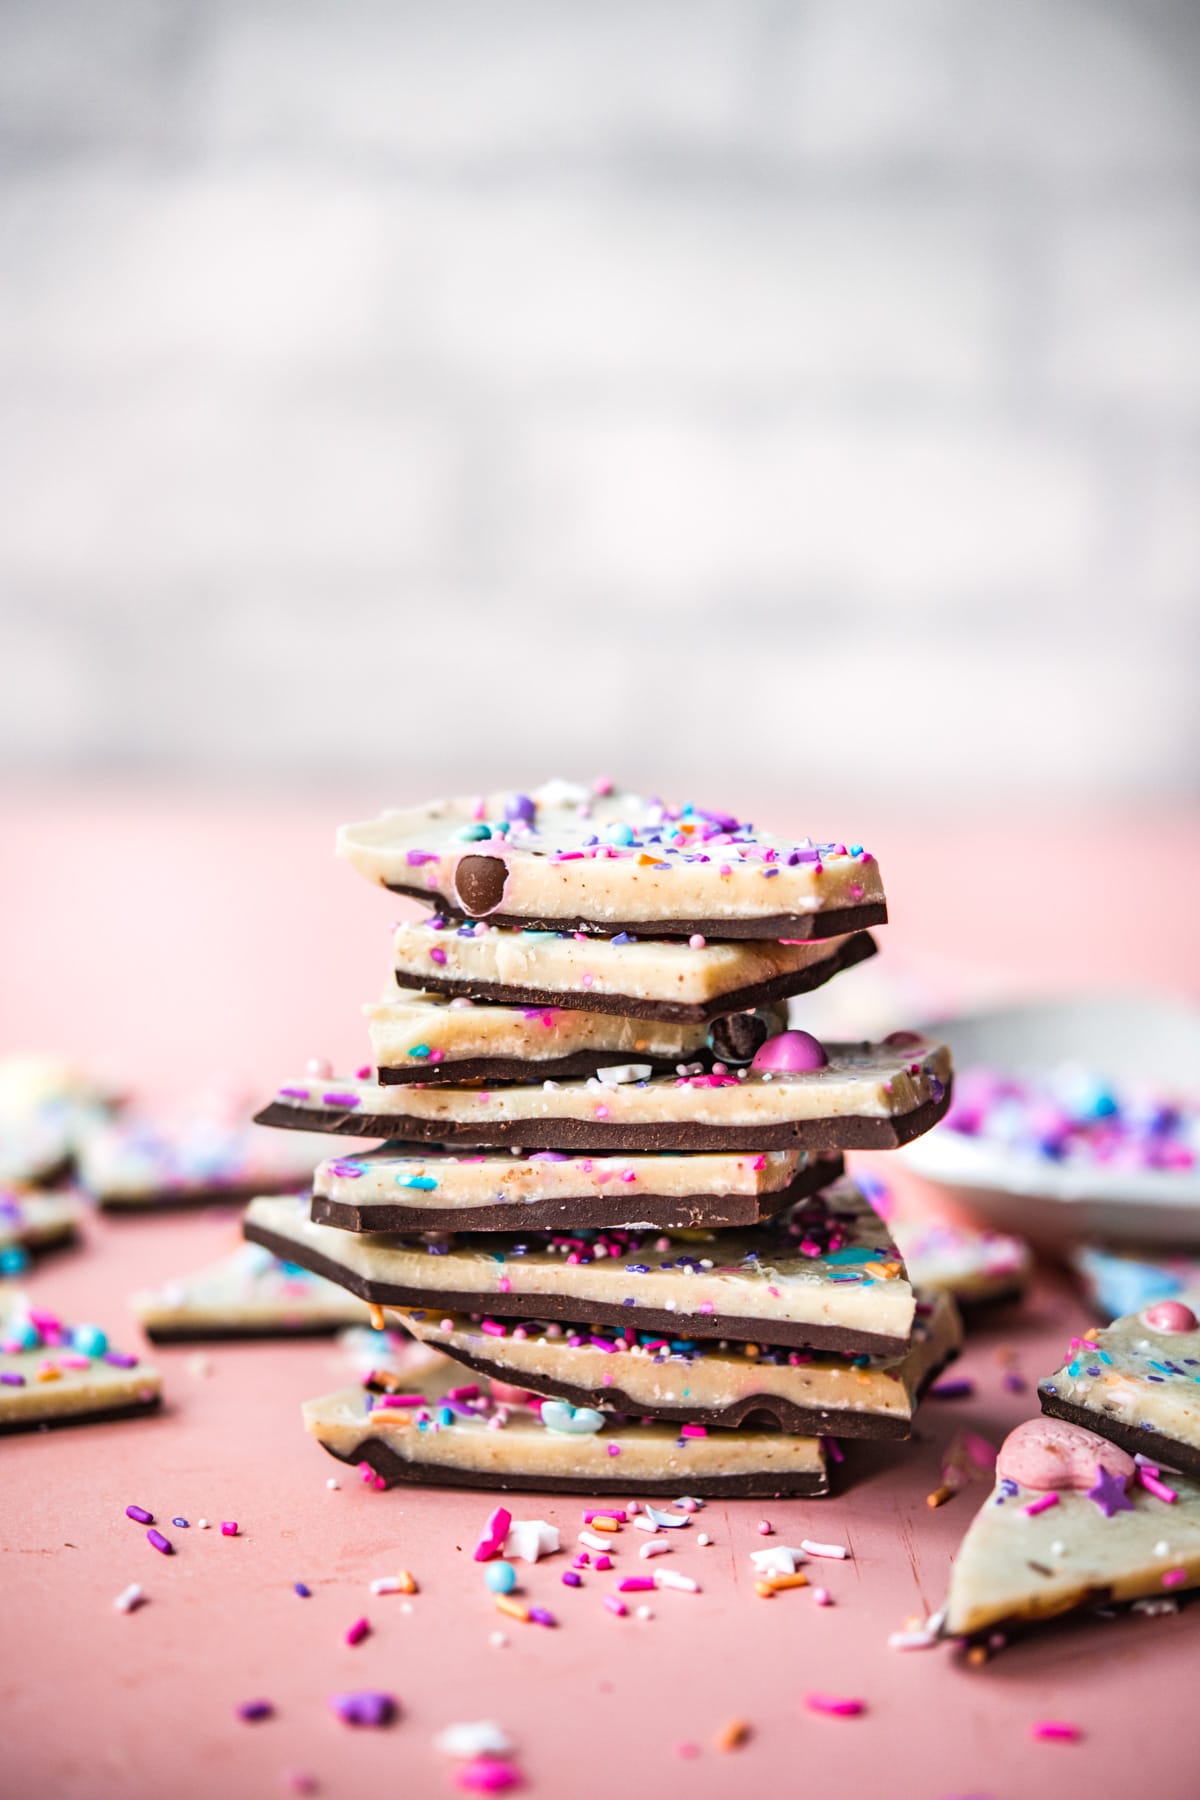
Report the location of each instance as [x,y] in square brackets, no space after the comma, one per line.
[613,1185]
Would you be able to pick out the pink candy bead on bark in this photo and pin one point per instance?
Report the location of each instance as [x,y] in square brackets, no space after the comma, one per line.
[1170,1315]
[1046,1454]
[791,1053]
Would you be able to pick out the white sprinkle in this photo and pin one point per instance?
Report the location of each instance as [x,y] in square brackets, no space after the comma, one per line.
[476,1737]
[656,1547]
[779,1559]
[386,1584]
[529,1539]
[497,1640]
[835,1550]
[1058,1548]
[594,1541]
[1162,1548]
[406,1606]
[704,1540]
[644,1612]
[642,1523]
[202,1524]
[911,1640]
[671,1578]
[333,1482]
[618,1074]
[132,1597]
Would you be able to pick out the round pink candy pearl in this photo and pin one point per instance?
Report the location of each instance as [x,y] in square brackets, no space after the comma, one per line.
[1170,1315]
[791,1053]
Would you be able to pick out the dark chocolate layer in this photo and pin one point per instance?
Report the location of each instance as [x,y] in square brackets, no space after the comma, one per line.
[832,922]
[1176,1455]
[242,1334]
[100,1416]
[856,949]
[847,1132]
[571,1308]
[171,1200]
[601,1212]
[454,1071]
[396,1470]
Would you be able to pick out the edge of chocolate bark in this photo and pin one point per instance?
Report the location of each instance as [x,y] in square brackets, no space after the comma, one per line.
[858,948]
[100,1415]
[398,1471]
[242,1334]
[847,1132]
[1132,1438]
[830,922]
[520,1071]
[602,1212]
[568,1308]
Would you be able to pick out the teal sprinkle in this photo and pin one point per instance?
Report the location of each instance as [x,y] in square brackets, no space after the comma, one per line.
[1074,1368]
[473,834]
[851,1255]
[856,849]
[1161,1367]
[425,1182]
[1104,1357]
[445,1416]
[419,1050]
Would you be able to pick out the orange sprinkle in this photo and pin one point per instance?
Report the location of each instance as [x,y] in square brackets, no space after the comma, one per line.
[408,1582]
[733,1735]
[377,1319]
[49,1373]
[601,1523]
[977,1654]
[775,1584]
[940,1495]
[513,1609]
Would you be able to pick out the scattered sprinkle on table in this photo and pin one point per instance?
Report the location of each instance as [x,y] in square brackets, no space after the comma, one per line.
[1056,1731]
[253,1710]
[158,1542]
[835,1705]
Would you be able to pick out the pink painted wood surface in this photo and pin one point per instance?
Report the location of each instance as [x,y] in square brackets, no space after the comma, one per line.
[170,942]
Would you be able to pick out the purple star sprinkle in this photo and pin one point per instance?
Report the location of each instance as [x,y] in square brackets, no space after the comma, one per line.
[1109,1493]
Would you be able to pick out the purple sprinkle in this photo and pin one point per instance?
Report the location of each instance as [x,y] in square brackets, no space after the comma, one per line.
[340,1100]
[952,1390]
[120,1359]
[364,1708]
[302,1588]
[140,1514]
[350,1171]
[157,1541]
[182,1524]
[250,1710]
[539,1616]
[416,858]
[571,1579]
[10,1378]
[293,1093]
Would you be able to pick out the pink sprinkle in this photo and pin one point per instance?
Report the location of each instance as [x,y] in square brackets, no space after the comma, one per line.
[1154,1486]
[491,1540]
[614,1449]
[229,1528]
[602,1563]
[765,1528]
[602,1512]
[1042,1504]
[618,1606]
[358,1631]
[636,1584]
[822,1597]
[832,1704]
[1174,1578]
[693,1431]
[1056,1731]
[487,1775]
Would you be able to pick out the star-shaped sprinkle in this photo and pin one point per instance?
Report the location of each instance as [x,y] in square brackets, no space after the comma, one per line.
[1109,1493]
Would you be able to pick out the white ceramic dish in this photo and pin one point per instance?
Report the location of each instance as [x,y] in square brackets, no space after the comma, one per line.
[1125,1039]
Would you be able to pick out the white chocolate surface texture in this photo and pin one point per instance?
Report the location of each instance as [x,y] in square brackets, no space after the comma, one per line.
[1138,1376]
[250,1290]
[58,1377]
[611,859]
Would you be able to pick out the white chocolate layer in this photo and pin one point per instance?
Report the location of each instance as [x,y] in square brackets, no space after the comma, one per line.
[491,1178]
[1142,1378]
[974,1266]
[682,866]
[874,1081]
[251,1291]
[523,1447]
[1012,1565]
[134,1160]
[706,1376]
[654,970]
[59,1382]
[417,1031]
[33,1221]
[758,1275]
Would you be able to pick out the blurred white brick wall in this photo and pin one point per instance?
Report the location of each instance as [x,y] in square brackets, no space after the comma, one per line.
[414,391]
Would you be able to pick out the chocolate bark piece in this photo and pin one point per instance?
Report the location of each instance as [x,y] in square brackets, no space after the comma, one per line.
[642,979]
[700,1381]
[199,1156]
[979,1268]
[822,1276]
[399,1188]
[249,1294]
[1017,1566]
[571,859]
[52,1375]
[468,1450]
[870,1096]
[1137,1383]
[423,1037]
[34,1222]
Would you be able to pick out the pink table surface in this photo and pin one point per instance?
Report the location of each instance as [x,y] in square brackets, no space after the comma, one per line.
[171,940]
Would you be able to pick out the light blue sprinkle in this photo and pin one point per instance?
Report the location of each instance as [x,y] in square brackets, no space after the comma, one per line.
[473,834]
[425,1182]
[419,1050]
[620,833]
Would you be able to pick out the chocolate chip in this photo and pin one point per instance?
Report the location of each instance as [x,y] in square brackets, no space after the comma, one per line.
[479,884]
[737,1036]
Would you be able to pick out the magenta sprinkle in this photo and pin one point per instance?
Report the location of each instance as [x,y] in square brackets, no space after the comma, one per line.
[252,1710]
[366,1707]
[348,1100]
[158,1542]
[636,1584]
[140,1514]
[293,1093]
[833,1705]
[618,1606]
[360,1629]
[229,1528]
[1042,1504]
[539,1616]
